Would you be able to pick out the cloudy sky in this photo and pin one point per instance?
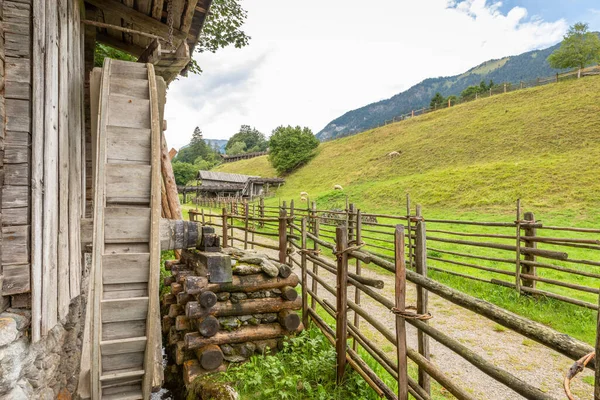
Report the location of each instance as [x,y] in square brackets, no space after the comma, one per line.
[309,62]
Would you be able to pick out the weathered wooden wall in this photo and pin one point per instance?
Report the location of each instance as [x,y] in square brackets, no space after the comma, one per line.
[41,153]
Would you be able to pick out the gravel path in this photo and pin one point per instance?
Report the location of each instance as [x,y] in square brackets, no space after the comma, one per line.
[524,358]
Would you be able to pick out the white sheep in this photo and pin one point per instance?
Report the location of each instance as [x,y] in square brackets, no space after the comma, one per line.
[393,154]
[303,198]
[303,194]
[338,187]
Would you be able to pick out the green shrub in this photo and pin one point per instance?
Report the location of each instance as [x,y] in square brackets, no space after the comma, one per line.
[290,148]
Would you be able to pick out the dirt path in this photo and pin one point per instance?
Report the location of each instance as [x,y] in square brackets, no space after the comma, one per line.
[524,358]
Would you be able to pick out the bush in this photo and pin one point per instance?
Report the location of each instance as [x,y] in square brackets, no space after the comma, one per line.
[184,172]
[290,148]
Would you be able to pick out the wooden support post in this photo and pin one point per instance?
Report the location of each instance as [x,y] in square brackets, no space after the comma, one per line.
[316,249]
[409,228]
[341,327]
[401,305]
[358,271]
[530,232]
[597,370]
[224,227]
[246,226]
[422,296]
[282,234]
[253,223]
[350,221]
[261,212]
[291,230]
[518,249]
[303,266]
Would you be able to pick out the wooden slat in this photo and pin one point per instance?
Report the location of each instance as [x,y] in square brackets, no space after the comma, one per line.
[16,216]
[128,145]
[15,245]
[18,69]
[128,183]
[189,15]
[129,392]
[122,346]
[14,138]
[18,90]
[124,329]
[126,294]
[16,279]
[124,310]
[126,248]
[122,361]
[157,9]
[127,225]
[18,117]
[129,112]
[15,197]
[125,268]
[129,87]
[17,174]
[126,67]
[121,375]
[16,154]
[17,45]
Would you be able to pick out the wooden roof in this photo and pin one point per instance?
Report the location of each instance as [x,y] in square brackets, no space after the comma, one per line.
[150,18]
[223,177]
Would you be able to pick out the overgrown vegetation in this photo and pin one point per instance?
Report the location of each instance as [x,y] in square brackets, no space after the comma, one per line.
[291,147]
[303,369]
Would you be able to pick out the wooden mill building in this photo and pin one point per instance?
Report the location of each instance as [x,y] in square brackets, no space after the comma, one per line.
[222,184]
[82,154]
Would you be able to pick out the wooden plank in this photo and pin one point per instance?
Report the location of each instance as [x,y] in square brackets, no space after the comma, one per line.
[15,245]
[124,309]
[123,361]
[15,197]
[124,329]
[125,294]
[14,138]
[18,69]
[17,45]
[16,174]
[22,300]
[128,145]
[341,301]
[129,392]
[16,216]
[18,90]
[122,346]
[400,296]
[129,87]
[129,112]
[157,9]
[127,225]
[16,154]
[37,167]
[153,362]
[126,248]
[16,279]
[128,183]
[189,15]
[18,115]
[125,268]
[50,222]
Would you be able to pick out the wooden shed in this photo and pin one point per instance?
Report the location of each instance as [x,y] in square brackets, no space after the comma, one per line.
[223,184]
[72,137]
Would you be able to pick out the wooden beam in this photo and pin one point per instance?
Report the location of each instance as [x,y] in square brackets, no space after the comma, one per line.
[188,16]
[152,53]
[143,21]
[119,45]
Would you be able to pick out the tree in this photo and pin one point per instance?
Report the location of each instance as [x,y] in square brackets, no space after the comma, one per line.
[236,148]
[253,140]
[578,49]
[437,101]
[290,148]
[184,172]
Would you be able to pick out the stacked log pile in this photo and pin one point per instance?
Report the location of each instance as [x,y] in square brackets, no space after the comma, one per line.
[212,317]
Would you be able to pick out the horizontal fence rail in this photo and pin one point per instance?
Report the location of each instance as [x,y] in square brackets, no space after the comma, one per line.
[331,247]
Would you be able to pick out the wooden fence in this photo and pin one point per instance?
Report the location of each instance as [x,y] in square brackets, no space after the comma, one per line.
[309,236]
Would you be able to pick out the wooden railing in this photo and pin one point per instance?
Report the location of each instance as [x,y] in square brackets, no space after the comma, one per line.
[325,243]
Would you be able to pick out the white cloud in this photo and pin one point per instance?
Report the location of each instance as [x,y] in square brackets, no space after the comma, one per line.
[309,62]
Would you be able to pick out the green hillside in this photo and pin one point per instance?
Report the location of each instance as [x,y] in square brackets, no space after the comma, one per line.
[541,145]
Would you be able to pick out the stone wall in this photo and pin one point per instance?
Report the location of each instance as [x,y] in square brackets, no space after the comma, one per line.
[44,370]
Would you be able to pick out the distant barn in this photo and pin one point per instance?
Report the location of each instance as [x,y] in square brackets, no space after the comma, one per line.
[213,184]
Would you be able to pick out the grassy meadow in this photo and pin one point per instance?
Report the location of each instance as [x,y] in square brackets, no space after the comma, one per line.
[472,162]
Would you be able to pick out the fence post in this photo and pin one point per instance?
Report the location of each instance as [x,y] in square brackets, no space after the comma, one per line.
[291,233]
[409,227]
[529,269]
[261,212]
[253,223]
[413,113]
[518,249]
[521,84]
[422,295]
[316,249]
[358,272]
[400,295]
[449,104]
[224,227]
[282,234]
[504,87]
[490,92]
[304,275]
[350,220]
[245,226]
[341,326]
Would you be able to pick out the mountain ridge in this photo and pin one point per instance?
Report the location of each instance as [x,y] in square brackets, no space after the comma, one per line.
[527,66]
